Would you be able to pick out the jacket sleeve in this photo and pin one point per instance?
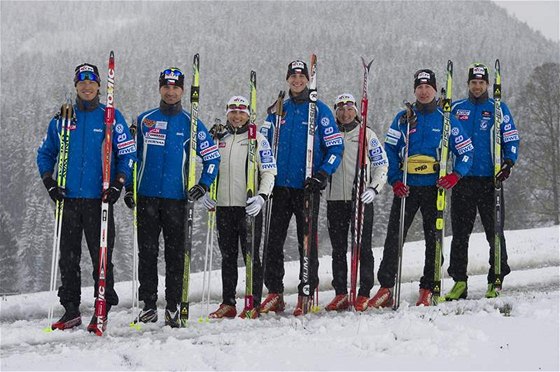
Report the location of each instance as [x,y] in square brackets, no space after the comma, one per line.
[123,146]
[394,143]
[267,128]
[267,165]
[331,140]
[379,164]
[208,151]
[510,136]
[461,145]
[48,150]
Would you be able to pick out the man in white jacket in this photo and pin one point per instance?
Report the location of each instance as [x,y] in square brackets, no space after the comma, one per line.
[340,211]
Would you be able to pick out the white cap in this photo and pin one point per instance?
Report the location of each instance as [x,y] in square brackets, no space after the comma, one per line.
[344,98]
[238,103]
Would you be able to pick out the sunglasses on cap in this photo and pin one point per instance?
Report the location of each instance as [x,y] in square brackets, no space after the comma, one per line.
[237,107]
[86,75]
[171,73]
[345,104]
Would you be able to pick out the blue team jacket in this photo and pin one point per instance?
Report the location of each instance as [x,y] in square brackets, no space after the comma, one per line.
[84,177]
[292,142]
[478,121]
[163,154]
[425,140]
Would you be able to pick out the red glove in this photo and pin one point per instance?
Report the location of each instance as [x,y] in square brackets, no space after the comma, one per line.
[448,181]
[400,189]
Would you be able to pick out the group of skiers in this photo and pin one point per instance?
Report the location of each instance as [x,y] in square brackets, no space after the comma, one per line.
[161,150]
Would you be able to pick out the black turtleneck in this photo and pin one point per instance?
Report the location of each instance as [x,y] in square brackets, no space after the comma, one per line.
[426,108]
[170,110]
[347,127]
[87,106]
[234,130]
[302,97]
[478,100]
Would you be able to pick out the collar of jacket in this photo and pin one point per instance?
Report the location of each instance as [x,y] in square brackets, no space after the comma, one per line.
[87,106]
[170,110]
[478,100]
[233,130]
[347,127]
[300,98]
[426,108]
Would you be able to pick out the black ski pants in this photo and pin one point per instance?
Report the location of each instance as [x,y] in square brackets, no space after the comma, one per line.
[287,202]
[340,219]
[155,215]
[232,231]
[84,215]
[472,194]
[423,198]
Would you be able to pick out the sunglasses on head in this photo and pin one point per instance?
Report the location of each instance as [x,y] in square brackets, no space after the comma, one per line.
[87,75]
[237,107]
[172,72]
[345,104]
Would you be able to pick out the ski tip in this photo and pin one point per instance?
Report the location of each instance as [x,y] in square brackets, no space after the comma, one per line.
[366,65]
[48,329]
[112,54]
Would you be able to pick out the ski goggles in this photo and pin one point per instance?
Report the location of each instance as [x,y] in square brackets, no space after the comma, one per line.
[86,75]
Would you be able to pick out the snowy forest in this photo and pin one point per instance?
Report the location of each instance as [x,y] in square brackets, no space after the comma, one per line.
[42,42]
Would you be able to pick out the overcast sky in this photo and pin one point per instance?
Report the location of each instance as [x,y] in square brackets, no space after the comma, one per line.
[543,16]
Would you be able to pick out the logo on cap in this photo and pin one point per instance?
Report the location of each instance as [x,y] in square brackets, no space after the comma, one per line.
[86,68]
[478,70]
[298,64]
[423,75]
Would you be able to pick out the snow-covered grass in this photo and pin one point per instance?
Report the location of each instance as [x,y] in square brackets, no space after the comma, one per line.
[517,331]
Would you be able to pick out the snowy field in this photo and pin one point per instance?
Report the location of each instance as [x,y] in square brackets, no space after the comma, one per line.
[517,331]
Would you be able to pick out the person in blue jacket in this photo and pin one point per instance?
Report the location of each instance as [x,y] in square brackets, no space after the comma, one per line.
[163,139]
[420,191]
[291,183]
[83,190]
[475,191]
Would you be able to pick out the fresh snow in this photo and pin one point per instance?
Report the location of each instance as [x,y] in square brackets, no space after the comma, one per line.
[517,331]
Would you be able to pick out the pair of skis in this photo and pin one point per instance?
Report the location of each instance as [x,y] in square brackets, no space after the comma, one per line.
[360,185]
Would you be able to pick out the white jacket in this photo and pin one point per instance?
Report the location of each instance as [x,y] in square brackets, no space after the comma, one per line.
[342,181]
[232,176]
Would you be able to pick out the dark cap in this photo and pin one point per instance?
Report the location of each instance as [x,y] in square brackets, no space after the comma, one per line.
[425,76]
[297,67]
[86,71]
[478,71]
[172,76]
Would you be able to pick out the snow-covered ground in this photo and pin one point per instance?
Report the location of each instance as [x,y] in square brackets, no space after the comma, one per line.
[517,331]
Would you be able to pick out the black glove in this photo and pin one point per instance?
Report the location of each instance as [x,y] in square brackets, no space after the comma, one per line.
[197,191]
[111,195]
[504,173]
[129,198]
[55,192]
[316,183]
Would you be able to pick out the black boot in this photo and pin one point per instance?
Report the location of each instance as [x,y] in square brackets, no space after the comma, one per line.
[71,318]
[148,313]
[92,327]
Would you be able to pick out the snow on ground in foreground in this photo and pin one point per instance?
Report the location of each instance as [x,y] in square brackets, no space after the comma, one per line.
[517,331]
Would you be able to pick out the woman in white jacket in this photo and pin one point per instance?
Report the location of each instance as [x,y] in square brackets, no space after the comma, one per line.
[232,204]
[339,204]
